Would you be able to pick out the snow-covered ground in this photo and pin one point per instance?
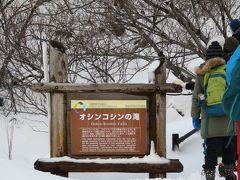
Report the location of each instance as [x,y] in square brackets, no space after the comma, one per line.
[31,142]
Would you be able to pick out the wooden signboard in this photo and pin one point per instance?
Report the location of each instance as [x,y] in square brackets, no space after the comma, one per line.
[108,127]
[105,119]
[113,127]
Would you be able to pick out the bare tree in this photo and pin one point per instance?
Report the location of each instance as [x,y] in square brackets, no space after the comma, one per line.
[177,30]
[106,41]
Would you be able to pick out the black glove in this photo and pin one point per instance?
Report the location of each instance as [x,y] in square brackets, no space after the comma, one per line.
[190,85]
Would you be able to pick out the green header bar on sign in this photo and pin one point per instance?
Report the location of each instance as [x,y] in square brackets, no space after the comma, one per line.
[103,104]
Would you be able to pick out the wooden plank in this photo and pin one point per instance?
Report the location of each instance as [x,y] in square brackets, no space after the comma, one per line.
[120,88]
[64,167]
[58,73]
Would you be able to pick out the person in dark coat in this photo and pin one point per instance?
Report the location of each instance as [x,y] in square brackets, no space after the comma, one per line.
[235,27]
[235,57]
[220,129]
[230,45]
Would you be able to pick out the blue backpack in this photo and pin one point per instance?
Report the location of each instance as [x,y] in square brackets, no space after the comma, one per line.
[231,97]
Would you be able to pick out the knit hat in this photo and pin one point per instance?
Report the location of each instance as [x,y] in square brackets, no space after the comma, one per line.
[219,39]
[214,50]
[230,45]
[234,25]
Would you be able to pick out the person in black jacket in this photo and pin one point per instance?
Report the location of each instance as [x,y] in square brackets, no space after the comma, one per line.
[235,27]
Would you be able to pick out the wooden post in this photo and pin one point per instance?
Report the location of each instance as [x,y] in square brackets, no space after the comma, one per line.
[160,77]
[160,142]
[58,127]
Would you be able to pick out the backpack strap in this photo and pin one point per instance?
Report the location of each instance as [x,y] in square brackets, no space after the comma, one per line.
[232,107]
[232,135]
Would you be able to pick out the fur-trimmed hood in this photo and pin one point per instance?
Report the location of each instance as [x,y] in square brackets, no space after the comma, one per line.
[211,63]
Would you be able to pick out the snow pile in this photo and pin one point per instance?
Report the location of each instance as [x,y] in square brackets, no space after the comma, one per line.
[152,158]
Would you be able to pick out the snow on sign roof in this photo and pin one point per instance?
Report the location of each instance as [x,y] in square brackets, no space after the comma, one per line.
[152,158]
